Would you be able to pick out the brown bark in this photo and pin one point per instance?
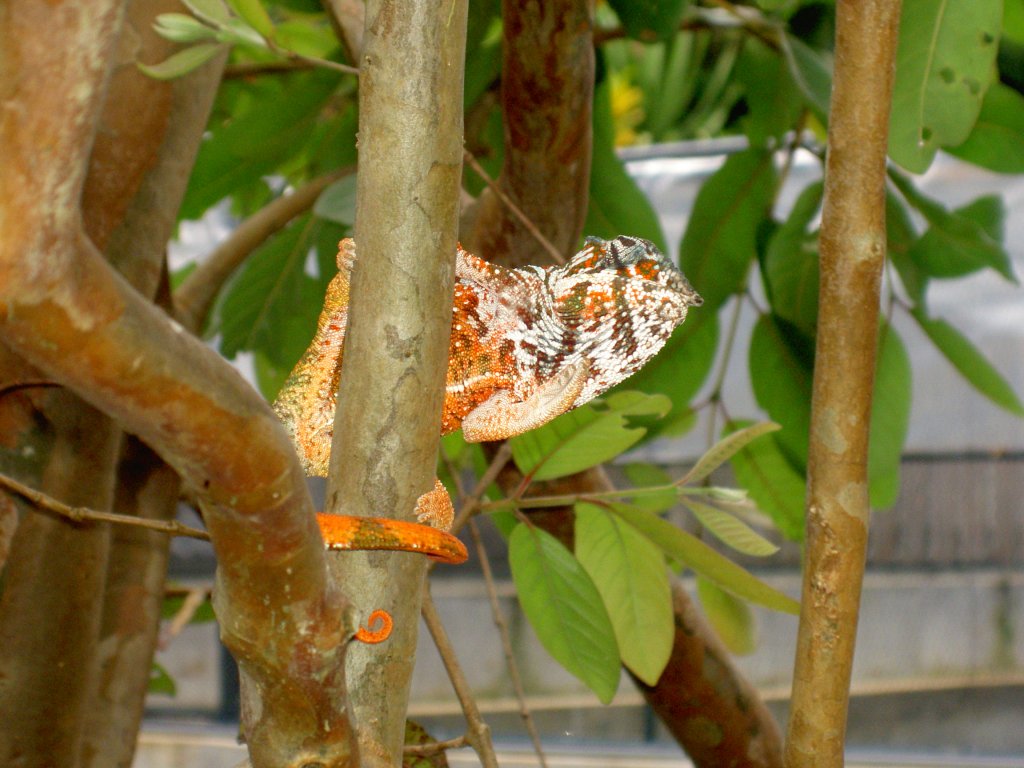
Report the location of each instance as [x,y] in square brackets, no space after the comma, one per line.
[388,422]
[852,255]
[547,94]
[64,309]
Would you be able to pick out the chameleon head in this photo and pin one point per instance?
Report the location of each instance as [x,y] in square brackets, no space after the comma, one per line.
[618,302]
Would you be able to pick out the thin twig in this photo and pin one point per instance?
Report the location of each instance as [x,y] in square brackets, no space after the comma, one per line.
[85,515]
[474,502]
[506,642]
[479,736]
[528,225]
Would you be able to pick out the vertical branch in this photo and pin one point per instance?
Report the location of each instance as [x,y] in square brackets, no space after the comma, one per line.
[852,256]
[547,86]
[388,421]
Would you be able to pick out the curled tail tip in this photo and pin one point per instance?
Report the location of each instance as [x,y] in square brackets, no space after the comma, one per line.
[384,623]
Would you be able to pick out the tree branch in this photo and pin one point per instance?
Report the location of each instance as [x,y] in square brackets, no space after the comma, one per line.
[852,249]
[66,310]
[388,421]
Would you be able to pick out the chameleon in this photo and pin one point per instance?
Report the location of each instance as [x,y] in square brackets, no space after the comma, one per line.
[526,345]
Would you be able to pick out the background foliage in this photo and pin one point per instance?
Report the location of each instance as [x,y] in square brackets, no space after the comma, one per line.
[667,71]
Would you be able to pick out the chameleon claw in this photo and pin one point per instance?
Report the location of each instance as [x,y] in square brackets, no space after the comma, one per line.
[382,620]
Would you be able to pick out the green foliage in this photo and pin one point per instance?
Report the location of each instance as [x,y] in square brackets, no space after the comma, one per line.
[674,71]
[943,69]
[630,574]
[564,608]
[720,240]
[731,618]
[586,436]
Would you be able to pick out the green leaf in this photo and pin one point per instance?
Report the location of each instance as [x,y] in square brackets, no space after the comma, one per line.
[724,450]
[997,140]
[255,15]
[944,65]
[630,573]
[971,364]
[160,681]
[271,125]
[890,418]
[565,609]
[688,549]
[649,20]
[778,489]
[337,203]
[731,531]
[720,239]
[211,11]
[182,62]
[585,436]
[812,74]
[781,363]
[965,241]
[271,305]
[617,206]
[730,617]
[791,263]
[182,28]
[900,238]
[774,101]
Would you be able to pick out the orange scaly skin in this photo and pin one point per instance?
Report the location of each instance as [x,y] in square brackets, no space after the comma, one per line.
[526,345]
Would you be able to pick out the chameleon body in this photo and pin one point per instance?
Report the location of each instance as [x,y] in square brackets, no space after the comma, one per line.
[526,346]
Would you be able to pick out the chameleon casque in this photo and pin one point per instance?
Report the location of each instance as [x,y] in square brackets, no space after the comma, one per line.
[526,346]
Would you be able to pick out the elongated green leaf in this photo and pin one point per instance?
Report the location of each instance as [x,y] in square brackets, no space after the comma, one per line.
[182,28]
[943,68]
[629,571]
[586,436]
[565,609]
[255,15]
[688,549]
[971,364]
[966,242]
[901,235]
[724,450]
[778,489]
[890,418]
[273,124]
[812,74]
[212,11]
[617,206]
[720,239]
[730,617]
[773,98]
[781,364]
[182,62]
[997,139]
[731,531]
[791,263]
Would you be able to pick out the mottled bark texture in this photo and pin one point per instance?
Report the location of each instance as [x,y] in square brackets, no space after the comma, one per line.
[547,87]
[852,255]
[389,412]
[64,309]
